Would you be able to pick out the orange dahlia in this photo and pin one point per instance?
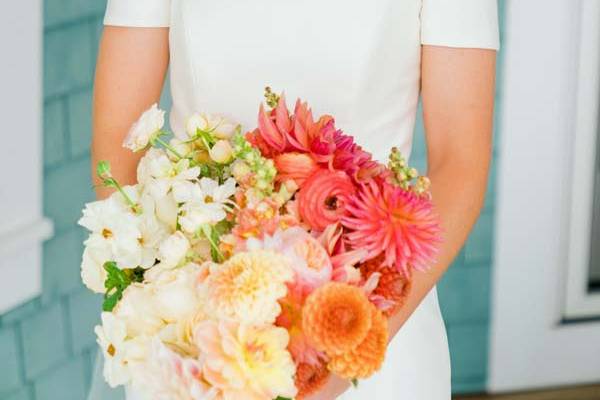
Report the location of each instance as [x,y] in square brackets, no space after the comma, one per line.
[366,358]
[392,287]
[310,378]
[323,197]
[385,219]
[336,317]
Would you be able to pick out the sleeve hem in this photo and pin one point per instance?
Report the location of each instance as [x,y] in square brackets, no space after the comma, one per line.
[134,24]
[462,44]
[138,13]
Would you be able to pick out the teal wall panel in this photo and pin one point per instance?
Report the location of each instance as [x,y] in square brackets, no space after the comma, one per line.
[47,345]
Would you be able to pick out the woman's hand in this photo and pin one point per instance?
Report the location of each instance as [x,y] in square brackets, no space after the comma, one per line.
[334,387]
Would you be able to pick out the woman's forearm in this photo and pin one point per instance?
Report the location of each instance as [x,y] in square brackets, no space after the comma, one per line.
[458,204]
[129,77]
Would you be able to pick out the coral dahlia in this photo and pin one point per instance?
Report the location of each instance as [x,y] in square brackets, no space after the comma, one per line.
[383,218]
[392,287]
[336,318]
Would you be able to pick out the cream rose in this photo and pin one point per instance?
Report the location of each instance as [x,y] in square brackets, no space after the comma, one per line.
[143,131]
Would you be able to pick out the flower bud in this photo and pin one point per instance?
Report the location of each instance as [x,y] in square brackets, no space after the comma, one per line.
[221,152]
[194,123]
[239,170]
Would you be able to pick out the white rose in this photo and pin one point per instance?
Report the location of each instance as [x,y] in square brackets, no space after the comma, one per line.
[93,273]
[138,312]
[143,131]
[173,249]
[221,152]
[175,294]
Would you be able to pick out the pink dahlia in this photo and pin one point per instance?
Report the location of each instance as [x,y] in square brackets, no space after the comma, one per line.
[323,198]
[385,219]
[352,159]
[279,132]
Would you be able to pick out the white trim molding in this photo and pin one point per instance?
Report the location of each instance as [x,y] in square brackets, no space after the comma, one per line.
[22,228]
[579,301]
[531,346]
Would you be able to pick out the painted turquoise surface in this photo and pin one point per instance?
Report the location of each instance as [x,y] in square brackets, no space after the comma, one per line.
[47,346]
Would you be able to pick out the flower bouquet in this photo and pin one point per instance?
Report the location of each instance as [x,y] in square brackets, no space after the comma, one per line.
[252,266]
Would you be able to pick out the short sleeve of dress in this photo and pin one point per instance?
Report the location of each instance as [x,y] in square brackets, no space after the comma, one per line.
[138,13]
[460,23]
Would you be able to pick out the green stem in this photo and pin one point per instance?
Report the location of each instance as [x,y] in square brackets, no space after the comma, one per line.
[168,147]
[207,231]
[133,206]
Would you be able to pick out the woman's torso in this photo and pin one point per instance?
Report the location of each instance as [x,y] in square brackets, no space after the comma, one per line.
[356,60]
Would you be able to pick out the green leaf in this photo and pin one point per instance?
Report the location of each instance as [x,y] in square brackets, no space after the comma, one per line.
[354,382]
[117,281]
[282,398]
[103,169]
[207,139]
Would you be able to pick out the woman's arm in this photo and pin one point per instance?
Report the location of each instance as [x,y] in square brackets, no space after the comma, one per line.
[458,100]
[130,73]
[458,104]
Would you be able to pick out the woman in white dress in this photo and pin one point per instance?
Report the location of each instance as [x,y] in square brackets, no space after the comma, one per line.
[366,63]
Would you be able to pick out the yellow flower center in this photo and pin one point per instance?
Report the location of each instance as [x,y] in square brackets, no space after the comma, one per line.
[111,350]
[107,233]
[255,353]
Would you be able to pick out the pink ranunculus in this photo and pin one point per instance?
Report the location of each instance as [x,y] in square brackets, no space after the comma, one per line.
[323,197]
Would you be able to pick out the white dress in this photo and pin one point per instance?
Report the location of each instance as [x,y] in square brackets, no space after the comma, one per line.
[358,60]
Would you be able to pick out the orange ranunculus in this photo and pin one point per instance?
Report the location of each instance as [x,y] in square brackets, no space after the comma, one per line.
[295,166]
[366,358]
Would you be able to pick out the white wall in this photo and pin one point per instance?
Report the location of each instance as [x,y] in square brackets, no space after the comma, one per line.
[530,347]
[22,227]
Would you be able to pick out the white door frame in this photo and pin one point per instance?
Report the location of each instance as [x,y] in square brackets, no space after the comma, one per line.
[579,302]
[530,346]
